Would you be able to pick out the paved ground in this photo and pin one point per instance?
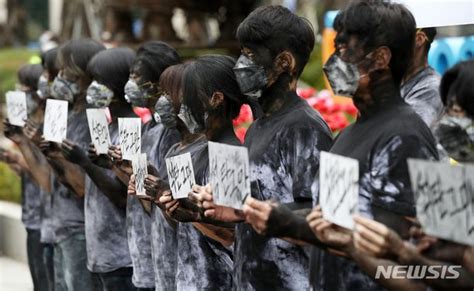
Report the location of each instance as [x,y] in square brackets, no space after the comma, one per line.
[14,276]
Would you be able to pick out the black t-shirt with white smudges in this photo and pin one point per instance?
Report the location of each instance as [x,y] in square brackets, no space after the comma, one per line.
[165,241]
[197,251]
[284,153]
[106,236]
[381,142]
[138,221]
[31,202]
[68,207]
[161,232]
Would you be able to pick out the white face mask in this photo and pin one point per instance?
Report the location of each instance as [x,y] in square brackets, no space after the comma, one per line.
[99,95]
[44,88]
[63,89]
[189,120]
[342,76]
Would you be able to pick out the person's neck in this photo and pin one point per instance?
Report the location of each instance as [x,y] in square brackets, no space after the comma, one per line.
[186,136]
[120,110]
[379,95]
[218,127]
[277,95]
[419,64]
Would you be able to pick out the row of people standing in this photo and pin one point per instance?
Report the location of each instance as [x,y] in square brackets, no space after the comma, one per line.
[106,238]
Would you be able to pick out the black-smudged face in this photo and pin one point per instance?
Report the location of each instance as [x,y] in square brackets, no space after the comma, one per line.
[262,56]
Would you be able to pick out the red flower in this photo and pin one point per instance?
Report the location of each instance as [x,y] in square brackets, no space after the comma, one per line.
[240,133]
[306,92]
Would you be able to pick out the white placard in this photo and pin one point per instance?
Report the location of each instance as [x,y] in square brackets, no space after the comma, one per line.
[130,133]
[339,189]
[229,174]
[16,108]
[444,197]
[436,13]
[55,120]
[99,129]
[180,175]
[139,165]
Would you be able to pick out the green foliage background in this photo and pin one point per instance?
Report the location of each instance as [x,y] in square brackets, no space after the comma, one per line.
[10,61]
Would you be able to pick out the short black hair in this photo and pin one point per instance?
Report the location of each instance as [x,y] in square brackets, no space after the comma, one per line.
[456,87]
[430,33]
[28,75]
[152,59]
[76,54]
[111,68]
[278,29]
[207,75]
[49,62]
[377,23]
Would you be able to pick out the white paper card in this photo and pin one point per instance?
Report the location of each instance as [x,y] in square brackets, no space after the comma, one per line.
[130,132]
[444,196]
[436,13]
[339,189]
[229,174]
[139,165]
[99,129]
[55,120]
[180,175]
[16,107]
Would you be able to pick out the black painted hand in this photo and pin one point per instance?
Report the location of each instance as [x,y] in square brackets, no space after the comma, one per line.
[12,132]
[102,160]
[73,153]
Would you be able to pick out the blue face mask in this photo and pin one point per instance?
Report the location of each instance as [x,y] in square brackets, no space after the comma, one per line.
[251,77]
[99,95]
[63,89]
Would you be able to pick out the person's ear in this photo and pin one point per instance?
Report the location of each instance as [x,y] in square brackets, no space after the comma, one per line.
[216,99]
[420,39]
[285,62]
[382,58]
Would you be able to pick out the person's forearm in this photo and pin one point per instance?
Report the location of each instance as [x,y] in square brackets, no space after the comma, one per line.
[464,281]
[35,159]
[111,187]
[123,177]
[221,234]
[370,264]
[288,221]
[71,175]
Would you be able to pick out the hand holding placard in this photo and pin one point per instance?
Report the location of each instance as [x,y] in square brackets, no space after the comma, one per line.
[16,108]
[444,197]
[99,129]
[180,175]
[130,137]
[139,165]
[55,120]
[229,174]
[339,188]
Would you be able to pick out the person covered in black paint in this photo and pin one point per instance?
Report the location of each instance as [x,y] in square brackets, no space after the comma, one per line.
[284,147]
[71,85]
[34,200]
[143,90]
[163,231]
[211,100]
[455,131]
[105,196]
[371,58]
[377,240]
